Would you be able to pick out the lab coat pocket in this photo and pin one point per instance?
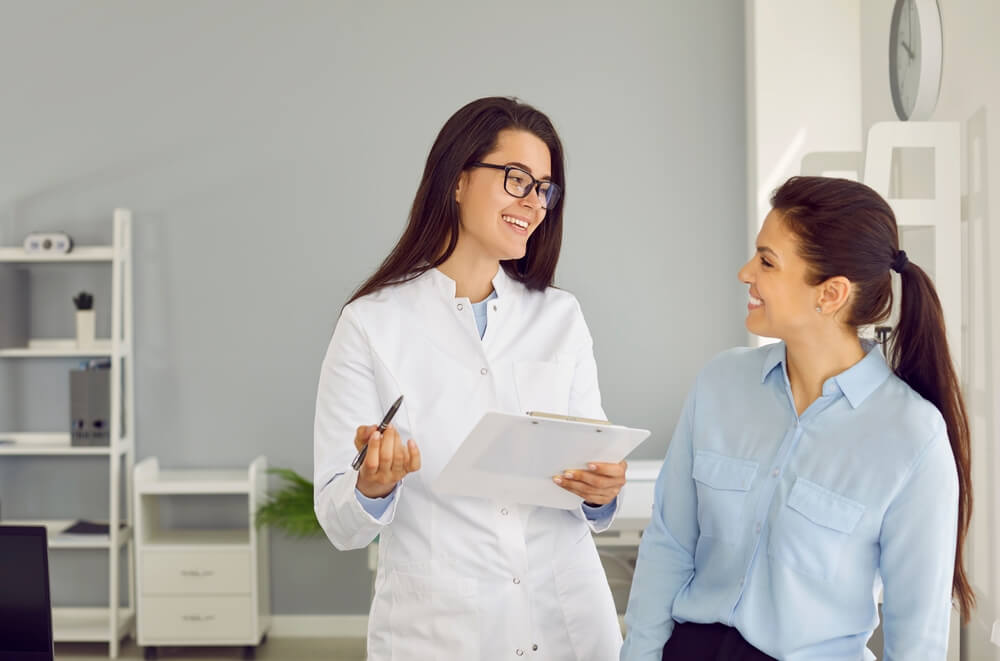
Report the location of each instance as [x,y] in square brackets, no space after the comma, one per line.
[810,532]
[434,617]
[543,386]
[722,484]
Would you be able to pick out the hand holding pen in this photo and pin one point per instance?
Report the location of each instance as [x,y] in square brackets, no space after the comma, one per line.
[383,459]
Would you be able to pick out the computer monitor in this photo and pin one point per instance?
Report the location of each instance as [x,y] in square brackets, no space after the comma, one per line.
[25,602]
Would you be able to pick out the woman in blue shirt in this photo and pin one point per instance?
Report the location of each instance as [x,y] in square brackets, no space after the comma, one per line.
[805,475]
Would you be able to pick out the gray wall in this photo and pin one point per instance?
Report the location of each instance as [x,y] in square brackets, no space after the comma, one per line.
[270,152]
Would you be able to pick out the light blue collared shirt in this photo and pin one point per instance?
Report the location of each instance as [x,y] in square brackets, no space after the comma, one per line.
[784,526]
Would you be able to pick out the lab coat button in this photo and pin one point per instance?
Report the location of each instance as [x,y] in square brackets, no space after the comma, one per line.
[504,511]
[460,306]
[534,648]
[494,308]
[519,652]
[517,581]
[483,371]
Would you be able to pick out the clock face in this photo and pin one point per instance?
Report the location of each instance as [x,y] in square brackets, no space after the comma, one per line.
[915,57]
[904,57]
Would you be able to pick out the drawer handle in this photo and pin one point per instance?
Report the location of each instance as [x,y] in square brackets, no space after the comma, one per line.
[197,573]
[197,618]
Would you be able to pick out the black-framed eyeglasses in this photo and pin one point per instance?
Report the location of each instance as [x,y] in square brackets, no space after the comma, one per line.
[519,183]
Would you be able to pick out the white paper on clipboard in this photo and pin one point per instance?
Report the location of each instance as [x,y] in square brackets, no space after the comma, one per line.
[513,458]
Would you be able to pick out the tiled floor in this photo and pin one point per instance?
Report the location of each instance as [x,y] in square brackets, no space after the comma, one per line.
[274,649]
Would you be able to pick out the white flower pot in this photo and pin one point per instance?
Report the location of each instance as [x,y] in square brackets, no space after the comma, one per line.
[84,328]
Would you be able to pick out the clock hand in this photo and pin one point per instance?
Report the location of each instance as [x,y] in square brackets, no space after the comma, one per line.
[907,49]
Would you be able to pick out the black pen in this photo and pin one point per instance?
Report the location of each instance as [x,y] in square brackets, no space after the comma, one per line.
[358,460]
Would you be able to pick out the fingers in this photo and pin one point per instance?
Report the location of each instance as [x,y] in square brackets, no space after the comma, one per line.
[361,436]
[414,464]
[600,483]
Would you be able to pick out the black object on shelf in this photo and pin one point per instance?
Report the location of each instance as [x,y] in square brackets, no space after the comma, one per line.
[84,527]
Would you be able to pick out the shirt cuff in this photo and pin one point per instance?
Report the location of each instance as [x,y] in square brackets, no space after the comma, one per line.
[601,511]
[376,507]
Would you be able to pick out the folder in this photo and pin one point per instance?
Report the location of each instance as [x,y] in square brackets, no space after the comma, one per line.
[513,458]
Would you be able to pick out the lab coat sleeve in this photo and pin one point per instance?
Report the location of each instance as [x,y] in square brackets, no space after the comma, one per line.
[917,560]
[345,399]
[666,553]
[585,402]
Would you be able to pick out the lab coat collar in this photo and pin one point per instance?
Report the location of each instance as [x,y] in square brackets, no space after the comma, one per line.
[445,286]
[856,382]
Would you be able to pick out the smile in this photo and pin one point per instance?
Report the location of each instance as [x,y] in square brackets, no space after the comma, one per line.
[516,222]
[755,302]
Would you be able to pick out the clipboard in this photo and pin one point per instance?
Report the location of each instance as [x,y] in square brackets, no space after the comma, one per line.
[513,458]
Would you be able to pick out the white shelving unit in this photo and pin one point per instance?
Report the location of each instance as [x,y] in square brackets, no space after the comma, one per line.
[200,586]
[112,623]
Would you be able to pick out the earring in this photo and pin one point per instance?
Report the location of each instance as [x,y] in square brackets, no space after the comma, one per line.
[819,309]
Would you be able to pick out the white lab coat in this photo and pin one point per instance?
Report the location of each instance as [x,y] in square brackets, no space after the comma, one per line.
[463,578]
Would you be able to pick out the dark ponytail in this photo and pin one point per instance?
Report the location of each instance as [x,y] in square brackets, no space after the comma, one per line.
[844,228]
[919,355]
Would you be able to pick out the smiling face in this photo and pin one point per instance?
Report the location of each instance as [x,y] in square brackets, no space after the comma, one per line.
[494,224]
[782,302]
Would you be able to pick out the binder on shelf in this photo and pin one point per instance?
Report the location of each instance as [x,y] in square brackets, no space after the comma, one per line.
[13,307]
[90,407]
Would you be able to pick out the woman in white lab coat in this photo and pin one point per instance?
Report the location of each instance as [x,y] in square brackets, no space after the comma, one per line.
[461,318]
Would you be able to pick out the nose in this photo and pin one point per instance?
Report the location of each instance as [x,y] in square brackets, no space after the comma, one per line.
[744,273]
[533,199]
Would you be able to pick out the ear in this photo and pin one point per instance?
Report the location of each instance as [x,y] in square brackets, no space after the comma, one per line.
[834,294]
[463,183]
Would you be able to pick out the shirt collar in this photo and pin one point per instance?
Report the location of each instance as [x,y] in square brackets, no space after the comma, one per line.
[856,382]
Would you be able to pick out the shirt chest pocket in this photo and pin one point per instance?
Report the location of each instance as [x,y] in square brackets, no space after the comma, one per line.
[812,529]
[543,386]
[722,484]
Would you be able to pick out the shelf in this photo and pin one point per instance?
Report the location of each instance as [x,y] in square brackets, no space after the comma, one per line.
[58,349]
[80,625]
[229,539]
[77,254]
[196,482]
[57,540]
[51,444]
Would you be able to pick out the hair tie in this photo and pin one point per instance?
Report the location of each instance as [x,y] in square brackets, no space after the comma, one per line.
[900,262]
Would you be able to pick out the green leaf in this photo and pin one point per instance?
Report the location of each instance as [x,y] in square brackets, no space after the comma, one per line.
[291,508]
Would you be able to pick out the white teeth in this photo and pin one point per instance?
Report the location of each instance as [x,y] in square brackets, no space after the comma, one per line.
[755,301]
[516,221]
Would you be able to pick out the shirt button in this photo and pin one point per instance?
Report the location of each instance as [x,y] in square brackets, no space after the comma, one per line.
[504,511]
[519,652]
[776,472]
[483,371]
[460,306]
[757,528]
[517,581]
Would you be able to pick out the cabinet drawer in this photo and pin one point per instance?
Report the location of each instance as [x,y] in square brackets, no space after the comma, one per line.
[186,619]
[195,572]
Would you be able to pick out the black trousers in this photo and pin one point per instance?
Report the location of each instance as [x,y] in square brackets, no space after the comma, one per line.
[709,642]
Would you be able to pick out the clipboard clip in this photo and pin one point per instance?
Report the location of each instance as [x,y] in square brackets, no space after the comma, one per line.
[570,418]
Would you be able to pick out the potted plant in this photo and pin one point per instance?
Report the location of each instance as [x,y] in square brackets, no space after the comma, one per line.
[290,508]
[84,303]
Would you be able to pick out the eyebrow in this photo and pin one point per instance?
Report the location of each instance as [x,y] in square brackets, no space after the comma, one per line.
[527,169]
[763,249]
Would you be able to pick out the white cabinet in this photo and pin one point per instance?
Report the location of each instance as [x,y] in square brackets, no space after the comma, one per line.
[200,586]
[114,621]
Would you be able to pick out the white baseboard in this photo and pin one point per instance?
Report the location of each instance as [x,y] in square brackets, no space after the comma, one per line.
[319,626]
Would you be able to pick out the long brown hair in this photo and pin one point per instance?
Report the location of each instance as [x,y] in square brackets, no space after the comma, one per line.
[466,137]
[844,228]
